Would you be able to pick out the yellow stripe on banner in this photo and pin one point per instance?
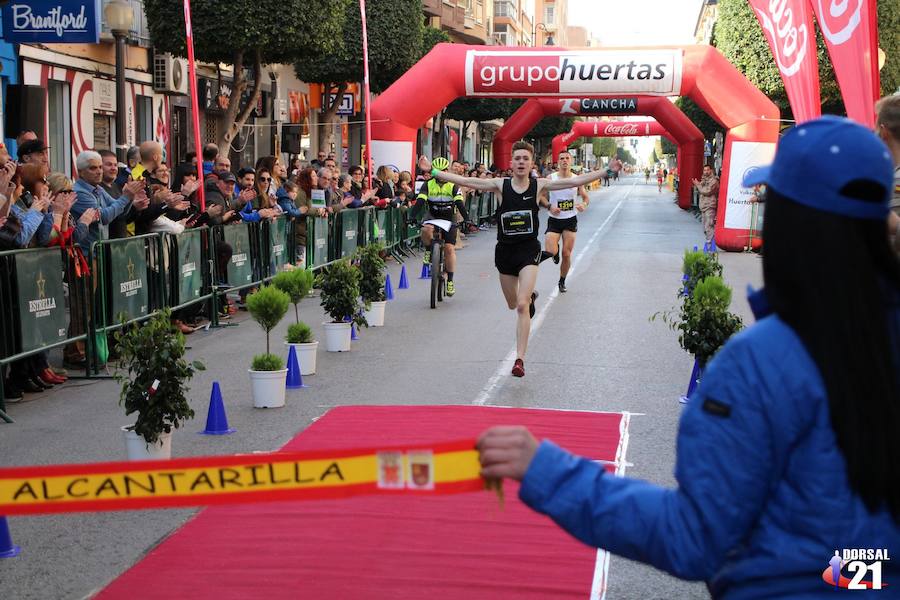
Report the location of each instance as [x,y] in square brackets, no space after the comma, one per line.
[188,482]
[161,483]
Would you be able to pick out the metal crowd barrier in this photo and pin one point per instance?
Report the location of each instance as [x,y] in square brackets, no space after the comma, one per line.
[131,278]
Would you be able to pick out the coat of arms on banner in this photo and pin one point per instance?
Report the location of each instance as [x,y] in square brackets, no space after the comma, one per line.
[421,470]
[390,470]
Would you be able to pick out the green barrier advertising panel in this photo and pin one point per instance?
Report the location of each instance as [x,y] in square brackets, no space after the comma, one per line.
[319,237]
[240,269]
[190,265]
[349,232]
[127,279]
[381,227]
[278,238]
[42,305]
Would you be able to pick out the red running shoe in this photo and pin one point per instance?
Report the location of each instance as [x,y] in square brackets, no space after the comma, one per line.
[518,369]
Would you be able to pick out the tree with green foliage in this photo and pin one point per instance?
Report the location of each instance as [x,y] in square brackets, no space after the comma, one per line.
[740,38]
[608,147]
[667,146]
[396,42]
[624,155]
[246,34]
[653,157]
[705,123]
[544,132]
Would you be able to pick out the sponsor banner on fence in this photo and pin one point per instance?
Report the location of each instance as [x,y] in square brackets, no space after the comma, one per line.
[128,279]
[442,468]
[42,304]
[190,265]
[517,73]
[745,156]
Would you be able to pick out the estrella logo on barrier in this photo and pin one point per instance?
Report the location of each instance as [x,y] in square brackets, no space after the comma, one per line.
[860,562]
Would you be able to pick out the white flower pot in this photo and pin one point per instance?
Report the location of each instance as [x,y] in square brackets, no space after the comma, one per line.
[267,388]
[136,448]
[375,315]
[306,356]
[337,337]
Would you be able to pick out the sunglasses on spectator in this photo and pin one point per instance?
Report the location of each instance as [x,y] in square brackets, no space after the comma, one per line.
[265,179]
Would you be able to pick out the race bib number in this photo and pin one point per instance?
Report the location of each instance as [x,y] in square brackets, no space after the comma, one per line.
[517,222]
[566,204]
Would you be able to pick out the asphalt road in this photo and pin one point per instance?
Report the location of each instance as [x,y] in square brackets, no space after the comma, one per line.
[593,348]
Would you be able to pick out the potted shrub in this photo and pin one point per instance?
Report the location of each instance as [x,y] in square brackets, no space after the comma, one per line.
[698,265]
[300,336]
[297,284]
[339,285]
[268,374]
[371,283]
[153,386]
[706,323]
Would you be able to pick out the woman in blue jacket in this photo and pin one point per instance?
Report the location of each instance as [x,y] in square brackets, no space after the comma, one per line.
[790,448]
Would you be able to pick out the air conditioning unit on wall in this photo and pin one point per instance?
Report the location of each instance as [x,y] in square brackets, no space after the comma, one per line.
[170,74]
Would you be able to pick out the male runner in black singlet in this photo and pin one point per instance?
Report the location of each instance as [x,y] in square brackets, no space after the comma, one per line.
[518,250]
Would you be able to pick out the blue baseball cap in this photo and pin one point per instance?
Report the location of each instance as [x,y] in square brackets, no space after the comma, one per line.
[815,160]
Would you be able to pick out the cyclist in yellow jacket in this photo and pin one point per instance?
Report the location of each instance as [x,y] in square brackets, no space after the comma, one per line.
[441,199]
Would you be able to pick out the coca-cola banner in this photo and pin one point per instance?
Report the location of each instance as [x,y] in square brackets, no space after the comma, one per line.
[598,72]
[847,26]
[788,27]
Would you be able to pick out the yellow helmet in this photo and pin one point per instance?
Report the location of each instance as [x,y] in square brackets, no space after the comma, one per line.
[440,163]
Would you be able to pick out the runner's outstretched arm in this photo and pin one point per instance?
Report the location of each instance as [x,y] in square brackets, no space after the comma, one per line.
[569,182]
[484,185]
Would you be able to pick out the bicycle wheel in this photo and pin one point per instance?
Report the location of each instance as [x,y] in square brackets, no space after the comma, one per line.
[435,273]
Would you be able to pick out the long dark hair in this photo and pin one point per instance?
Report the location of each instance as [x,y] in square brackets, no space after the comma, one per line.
[843,304]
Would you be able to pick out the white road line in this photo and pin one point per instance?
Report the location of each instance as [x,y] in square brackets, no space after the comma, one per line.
[504,368]
[601,564]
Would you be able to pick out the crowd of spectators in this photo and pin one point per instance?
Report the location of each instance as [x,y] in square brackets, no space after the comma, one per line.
[145,194]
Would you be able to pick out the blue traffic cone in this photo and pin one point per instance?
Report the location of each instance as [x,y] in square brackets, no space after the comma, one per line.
[354,337]
[696,373]
[684,285]
[712,245]
[7,548]
[388,288]
[695,248]
[216,420]
[705,247]
[426,272]
[404,282]
[294,377]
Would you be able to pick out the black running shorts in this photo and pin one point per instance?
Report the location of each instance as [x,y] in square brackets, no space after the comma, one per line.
[449,236]
[512,258]
[559,225]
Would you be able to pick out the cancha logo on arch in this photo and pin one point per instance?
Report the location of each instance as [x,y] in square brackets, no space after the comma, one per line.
[516,73]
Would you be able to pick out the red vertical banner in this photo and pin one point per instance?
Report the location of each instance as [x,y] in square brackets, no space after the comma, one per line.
[847,26]
[365,42]
[788,27]
[195,104]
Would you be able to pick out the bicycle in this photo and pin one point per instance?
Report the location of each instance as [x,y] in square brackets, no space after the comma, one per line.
[438,274]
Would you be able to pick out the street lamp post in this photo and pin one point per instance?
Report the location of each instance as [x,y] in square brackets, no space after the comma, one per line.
[541,27]
[119,18]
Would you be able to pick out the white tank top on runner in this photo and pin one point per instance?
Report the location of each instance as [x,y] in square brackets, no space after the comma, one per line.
[564,200]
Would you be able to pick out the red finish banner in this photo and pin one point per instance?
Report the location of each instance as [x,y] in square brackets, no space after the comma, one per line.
[847,26]
[440,469]
[788,27]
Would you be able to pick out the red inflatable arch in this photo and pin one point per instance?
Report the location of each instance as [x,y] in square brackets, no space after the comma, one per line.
[452,71]
[593,129]
[685,134]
